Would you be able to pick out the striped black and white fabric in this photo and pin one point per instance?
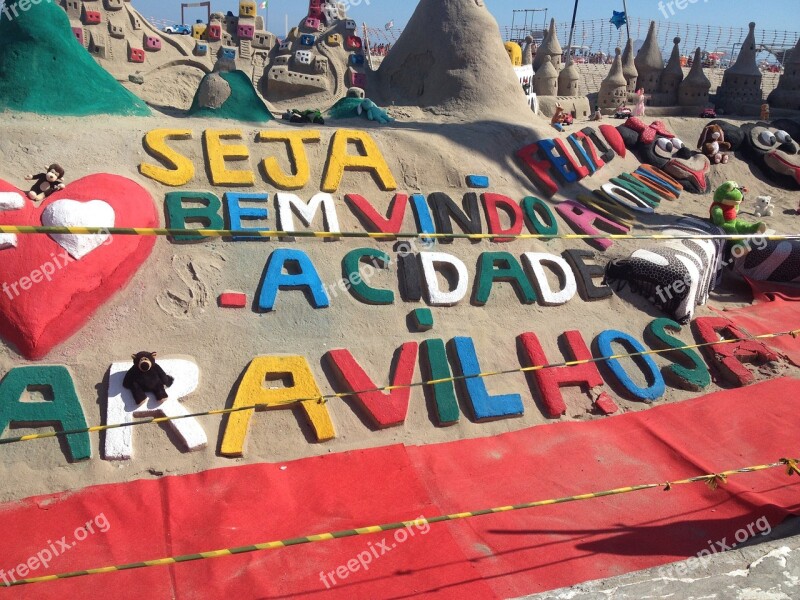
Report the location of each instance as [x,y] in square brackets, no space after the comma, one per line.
[777,261]
[677,275]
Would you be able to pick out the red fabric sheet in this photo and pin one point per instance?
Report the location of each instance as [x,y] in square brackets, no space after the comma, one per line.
[497,556]
[775,310]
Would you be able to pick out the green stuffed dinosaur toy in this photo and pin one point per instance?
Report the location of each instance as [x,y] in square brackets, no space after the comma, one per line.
[725,210]
[374,112]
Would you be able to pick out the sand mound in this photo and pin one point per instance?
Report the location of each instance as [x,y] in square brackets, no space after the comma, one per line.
[44,69]
[450,58]
[229,95]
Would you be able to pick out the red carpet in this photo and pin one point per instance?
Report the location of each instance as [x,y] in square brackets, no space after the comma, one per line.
[776,308]
[497,556]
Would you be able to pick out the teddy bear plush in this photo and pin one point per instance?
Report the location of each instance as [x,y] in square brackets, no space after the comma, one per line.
[763,206]
[146,376]
[725,210]
[712,143]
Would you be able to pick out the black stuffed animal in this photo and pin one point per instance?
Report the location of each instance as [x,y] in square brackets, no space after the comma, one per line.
[146,376]
[47,183]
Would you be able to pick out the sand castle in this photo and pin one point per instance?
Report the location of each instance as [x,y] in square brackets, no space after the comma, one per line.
[321,58]
[740,92]
[629,69]
[671,78]
[550,49]
[695,89]
[556,86]
[787,94]
[614,90]
[664,86]
[660,84]
[650,63]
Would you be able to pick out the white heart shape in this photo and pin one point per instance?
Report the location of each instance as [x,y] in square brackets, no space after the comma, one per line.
[8,240]
[71,213]
[10,201]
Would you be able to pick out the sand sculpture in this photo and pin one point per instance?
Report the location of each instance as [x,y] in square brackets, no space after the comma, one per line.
[550,50]
[664,86]
[322,57]
[740,92]
[311,324]
[671,78]
[629,68]
[556,86]
[694,90]
[615,89]
[447,69]
[659,83]
[649,62]
[787,94]
[40,40]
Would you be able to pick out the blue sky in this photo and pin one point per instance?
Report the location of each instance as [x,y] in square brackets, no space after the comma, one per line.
[781,15]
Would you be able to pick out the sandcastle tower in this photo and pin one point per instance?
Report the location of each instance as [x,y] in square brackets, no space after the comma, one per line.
[741,85]
[672,77]
[550,50]
[545,80]
[787,94]
[528,50]
[614,89]
[694,90]
[629,67]
[568,80]
[649,62]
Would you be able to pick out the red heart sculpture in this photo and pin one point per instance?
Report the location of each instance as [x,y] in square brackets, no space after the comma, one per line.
[50,311]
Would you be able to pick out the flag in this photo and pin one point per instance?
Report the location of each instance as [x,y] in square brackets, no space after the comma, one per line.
[263,5]
[619,19]
[389,25]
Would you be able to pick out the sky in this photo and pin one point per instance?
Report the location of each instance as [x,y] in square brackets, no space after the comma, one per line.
[782,14]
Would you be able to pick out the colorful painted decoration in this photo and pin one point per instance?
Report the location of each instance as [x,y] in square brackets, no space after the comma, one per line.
[657,146]
[769,260]
[696,377]
[306,279]
[775,150]
[386,409]
[64,408]
[656,386]
[122,407]
[431,263]
[728,359]
[251,392]
[678,275]
[550,381]
[484,406]
[444,393]
[80,275]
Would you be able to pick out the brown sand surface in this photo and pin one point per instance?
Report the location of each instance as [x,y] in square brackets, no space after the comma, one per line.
[170,306]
